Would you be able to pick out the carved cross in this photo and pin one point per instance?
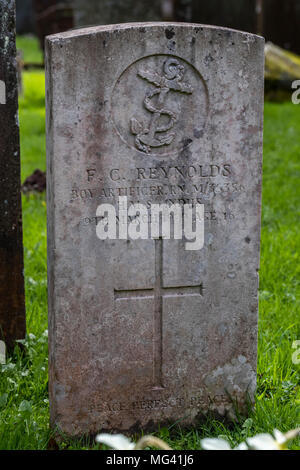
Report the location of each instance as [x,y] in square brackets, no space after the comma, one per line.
[158,292]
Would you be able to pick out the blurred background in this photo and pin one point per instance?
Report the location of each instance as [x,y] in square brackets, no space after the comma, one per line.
[277,20]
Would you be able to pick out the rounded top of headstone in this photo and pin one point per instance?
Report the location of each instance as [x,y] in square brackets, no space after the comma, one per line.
[143,27]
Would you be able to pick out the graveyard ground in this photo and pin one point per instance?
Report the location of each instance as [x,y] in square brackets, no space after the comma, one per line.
[24,414]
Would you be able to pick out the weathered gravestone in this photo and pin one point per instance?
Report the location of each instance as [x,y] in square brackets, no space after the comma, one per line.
[2,352]
[115,11]
[144,332]
[12,307]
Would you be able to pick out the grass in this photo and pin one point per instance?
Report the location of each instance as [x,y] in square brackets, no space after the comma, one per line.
[32,53]
[32,123]
[24,413]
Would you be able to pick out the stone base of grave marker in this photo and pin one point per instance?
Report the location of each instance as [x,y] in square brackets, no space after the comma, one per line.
[143,332]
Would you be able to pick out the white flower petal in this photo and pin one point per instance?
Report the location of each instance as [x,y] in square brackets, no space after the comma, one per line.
[115,441]
[215,444]
[241,446]
[262,442]
[280,438]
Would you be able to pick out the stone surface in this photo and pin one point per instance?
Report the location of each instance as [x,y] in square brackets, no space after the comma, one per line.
[2,352]
[95,12]
[12,307]
[144,332]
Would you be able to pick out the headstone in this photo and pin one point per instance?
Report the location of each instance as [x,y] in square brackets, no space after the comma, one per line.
[2,352]
[144,332]
[20,67]
[12,307]
[25,17]
[278,21]
[52,16]
[96,12]
[229,13]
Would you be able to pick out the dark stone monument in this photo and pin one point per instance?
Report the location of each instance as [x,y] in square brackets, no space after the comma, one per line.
[96,12]
[25,22]
[12,305]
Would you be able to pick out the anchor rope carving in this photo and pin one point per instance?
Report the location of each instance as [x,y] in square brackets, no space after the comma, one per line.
[146,137]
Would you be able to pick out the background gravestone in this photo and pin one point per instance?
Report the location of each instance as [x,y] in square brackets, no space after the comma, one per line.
[229,13]
[143,332]
[25,17]
[2,352]
[115,11]
[12,307]
[52,16]
[277,20]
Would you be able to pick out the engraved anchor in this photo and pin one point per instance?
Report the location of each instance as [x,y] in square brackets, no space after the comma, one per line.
[146,137]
